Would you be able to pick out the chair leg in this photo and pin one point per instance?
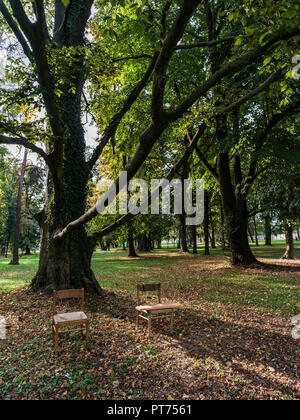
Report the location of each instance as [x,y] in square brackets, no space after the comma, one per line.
[137,320]
[56,340]
[149,325]
[52,335]
[87,331]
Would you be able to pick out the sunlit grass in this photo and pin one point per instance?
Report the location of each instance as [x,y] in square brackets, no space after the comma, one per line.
[272,290]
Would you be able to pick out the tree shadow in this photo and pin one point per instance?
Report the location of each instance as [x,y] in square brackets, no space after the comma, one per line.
[200,336]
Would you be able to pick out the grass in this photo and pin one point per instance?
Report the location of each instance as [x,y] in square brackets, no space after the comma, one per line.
[232,338]
[265,289]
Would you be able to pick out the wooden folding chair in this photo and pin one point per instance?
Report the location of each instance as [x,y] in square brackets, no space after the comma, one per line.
[156,311]
[69,319]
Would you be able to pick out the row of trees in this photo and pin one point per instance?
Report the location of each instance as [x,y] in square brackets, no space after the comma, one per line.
[21,197]
[199,87]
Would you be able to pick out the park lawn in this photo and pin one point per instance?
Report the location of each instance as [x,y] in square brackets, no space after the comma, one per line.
[231,340]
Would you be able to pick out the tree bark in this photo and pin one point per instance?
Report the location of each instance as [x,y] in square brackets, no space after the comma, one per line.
[255,231]
[183,230]
[290,248]
[250,234]
[194,236]
[213,238]
[268,231]
[66,263]
[206,222]
[131,252]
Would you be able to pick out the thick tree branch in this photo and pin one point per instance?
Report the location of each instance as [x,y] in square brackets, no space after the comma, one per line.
[228,70]
[203,44]
[126,218]
[39,8]
[263,138]
[164,19]
[14,27]
[276,76]
[131,57]
[23,20]
[168,48]
[21,141]
[206,164]
[60,10]
[116,120]
[71,30]
[92,213]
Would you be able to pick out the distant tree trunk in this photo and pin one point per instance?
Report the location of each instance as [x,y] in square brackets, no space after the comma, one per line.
[223,242]
[268,231]
[184,245]
[15,258]
[131,248]
[159,241]
[27,250]
[143,243]
[250,234]
[290,249]
[255,231]
[213,239]
[194,236]
[206,222]
[179,239]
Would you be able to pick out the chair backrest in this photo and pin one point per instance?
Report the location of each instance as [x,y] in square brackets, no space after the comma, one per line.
[68,294]
[151,287]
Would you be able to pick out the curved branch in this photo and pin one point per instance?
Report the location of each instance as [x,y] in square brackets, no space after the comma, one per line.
[14,27]
[23,20]
[110,131]
[276,76]
[92,213]
[126,218]
[228,70]
[206,164]
[21,141]
[131,57]
[203,44]
[168,48]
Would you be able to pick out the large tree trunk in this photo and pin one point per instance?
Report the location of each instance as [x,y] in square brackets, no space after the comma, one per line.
[237,235]
[66,263]
[144,243]
[15,258]
[235,213]
[290,249]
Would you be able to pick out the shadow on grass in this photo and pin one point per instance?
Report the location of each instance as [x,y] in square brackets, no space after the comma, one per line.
[200,336]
